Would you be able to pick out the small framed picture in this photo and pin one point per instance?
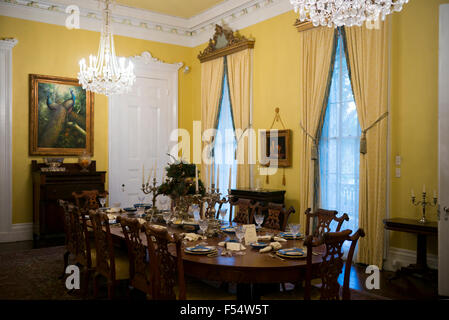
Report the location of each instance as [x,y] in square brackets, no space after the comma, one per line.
[61,117]
[276,148]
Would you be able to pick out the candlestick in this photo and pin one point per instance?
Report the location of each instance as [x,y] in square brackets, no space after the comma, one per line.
[218,178]
[196,179]
[424,188]
[413,193]
[424,203]
[143,174]
[213,174]
[149,176]
[230,178]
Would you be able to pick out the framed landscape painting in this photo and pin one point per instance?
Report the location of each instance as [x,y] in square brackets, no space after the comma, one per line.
[276,147]
[61,117]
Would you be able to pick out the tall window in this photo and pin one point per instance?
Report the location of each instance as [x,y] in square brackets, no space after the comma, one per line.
[225,145]
[340,146]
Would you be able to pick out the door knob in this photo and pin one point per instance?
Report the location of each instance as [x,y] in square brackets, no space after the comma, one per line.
[446,213]
[123,187]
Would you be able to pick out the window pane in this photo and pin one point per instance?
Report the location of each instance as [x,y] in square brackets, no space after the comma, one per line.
[224,147]
[339,146]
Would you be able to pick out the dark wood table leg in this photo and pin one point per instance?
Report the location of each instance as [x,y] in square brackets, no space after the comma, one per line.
[248,292]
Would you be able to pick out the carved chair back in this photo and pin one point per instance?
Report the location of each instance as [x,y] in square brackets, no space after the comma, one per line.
[81,237]
[243,210]
[88,199]
[139,273]
[105,259]
[68,226]
[165,269]
[323,219]
[332,263]
[276,215]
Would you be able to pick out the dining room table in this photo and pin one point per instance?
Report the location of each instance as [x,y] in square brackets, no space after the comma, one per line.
[249,269]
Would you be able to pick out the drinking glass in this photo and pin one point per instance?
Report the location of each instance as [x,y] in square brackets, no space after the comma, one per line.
[294,228]
[196,212]
[141,199]
[163,202]
[166,215]
[239,233]
[259,220]
[223,214]
[203,226]
[102,201]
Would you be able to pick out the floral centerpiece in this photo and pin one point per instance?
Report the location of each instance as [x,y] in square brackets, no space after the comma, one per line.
[180,185]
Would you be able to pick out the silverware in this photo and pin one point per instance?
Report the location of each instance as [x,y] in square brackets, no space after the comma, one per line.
[276,256]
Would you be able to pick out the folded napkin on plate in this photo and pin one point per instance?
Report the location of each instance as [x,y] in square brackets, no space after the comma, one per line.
[141,221]
[192,236]
[269,238]
[232,246]
[112,210]
[272,246]
[111,217]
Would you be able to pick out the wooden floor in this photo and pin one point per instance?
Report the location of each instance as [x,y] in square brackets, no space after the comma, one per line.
[404,288]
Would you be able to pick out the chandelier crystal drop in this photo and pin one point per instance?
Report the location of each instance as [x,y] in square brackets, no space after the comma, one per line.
[337,13]
[106,75]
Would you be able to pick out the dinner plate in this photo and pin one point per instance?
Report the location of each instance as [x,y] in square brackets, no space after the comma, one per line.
[130,209]
[146,205]
[258,245]
[289,235]
[200,250]
[293,253]
[228,229]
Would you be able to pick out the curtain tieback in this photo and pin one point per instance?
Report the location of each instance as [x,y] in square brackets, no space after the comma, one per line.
[363,144]
[314,150]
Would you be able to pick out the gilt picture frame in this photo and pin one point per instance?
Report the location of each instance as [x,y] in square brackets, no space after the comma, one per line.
[276,148]
[61,117]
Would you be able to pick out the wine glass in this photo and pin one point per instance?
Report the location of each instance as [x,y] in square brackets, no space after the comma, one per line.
[166,215]
[203,226]
[141,198]
[223,214]
[163,202]
[294,229]
[102,201]
[259,218]
[196,212]
[239,233]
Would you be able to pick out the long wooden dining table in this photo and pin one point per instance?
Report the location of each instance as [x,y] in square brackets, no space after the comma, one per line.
[245,270]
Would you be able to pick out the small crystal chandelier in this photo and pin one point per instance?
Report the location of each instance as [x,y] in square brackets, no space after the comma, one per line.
[104,74]
[337,13]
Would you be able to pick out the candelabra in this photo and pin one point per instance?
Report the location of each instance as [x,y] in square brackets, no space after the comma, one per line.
[424,203]
[212,198]
[148,188]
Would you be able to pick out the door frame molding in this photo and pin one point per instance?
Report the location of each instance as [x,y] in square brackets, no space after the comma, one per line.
[145,66]
[6,46]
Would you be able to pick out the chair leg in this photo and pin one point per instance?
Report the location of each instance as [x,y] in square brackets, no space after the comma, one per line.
[86,278]
[111,287]
[96,285]
[66,263]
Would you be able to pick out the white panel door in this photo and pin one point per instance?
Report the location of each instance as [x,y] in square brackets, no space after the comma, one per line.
[443,217]
[139,129]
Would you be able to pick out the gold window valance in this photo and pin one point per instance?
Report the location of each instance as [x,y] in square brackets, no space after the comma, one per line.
[225,42]
[303,25]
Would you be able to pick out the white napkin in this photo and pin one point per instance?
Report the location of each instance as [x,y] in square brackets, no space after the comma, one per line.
[279,239]
[192,236]
[111,210]
[264,238]
[272,246]
[232,246]
[141,221]
[111,217]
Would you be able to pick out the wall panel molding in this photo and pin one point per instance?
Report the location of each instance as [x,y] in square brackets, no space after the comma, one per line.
[6,46]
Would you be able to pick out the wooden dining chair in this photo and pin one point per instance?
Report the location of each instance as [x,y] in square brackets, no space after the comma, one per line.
[243,210]
[69,233]
[166,271]
[332,264]
[323,219]
[276,215]
[88,199]
[139,268]
[110,263]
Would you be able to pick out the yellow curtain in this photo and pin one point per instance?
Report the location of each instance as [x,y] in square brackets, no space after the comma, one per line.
[239,68]
[367,51]
[316,47]
[211,88]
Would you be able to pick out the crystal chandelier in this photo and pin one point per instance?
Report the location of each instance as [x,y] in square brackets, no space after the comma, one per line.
[337,13]
[105,75]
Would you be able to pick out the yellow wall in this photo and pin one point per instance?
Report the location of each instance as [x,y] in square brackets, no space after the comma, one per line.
[46,49]
[54,50]
[414,101]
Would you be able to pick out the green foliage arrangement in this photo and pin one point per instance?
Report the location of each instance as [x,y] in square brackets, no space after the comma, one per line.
[180,180]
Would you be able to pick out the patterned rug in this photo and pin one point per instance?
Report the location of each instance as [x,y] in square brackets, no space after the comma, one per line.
[34,275]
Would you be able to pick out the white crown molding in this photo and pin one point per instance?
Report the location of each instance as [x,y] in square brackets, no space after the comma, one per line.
[147,25]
